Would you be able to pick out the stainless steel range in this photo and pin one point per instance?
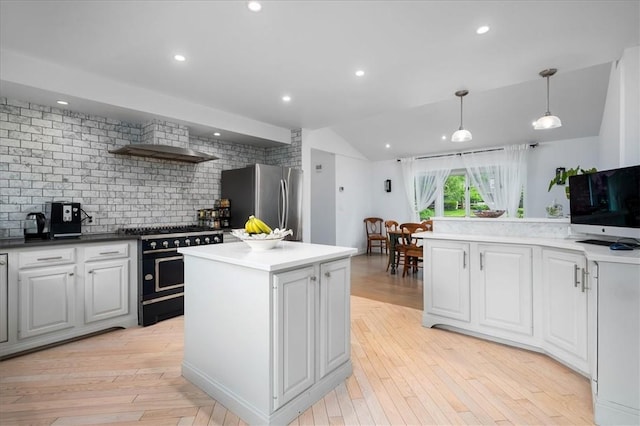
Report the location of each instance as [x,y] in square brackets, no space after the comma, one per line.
[161,268]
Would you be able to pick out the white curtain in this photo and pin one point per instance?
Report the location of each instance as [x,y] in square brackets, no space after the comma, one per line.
[410,185]
[422,180]
[499,176]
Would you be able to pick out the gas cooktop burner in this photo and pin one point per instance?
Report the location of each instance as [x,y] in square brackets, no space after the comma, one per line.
[161,230]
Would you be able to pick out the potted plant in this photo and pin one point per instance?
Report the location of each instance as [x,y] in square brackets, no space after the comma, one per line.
[562,176]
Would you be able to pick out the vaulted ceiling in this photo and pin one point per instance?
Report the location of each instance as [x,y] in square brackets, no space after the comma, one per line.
[415,55]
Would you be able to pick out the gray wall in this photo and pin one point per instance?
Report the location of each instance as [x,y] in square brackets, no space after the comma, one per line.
[50,154]
[323,199]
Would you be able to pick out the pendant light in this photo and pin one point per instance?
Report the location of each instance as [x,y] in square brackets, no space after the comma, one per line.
[461,135]
[547,121]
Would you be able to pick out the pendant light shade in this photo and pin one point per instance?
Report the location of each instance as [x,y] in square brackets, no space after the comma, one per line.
[547,121]
[461,135]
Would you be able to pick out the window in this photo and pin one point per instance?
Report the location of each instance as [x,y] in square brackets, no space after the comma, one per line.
[459,198]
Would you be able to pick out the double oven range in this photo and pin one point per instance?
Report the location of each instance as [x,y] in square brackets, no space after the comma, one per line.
[161,268]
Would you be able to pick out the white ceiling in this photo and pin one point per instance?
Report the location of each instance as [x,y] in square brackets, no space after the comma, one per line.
[416,54]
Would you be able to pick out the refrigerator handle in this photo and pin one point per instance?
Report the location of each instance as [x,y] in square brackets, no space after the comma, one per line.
[285,204]
[282,211]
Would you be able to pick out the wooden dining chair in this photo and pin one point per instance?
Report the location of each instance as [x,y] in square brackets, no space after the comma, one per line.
[375,234]
[411,247]
[428,224]
[393,246]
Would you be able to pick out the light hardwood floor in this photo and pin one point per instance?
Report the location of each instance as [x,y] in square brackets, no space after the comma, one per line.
[403,374]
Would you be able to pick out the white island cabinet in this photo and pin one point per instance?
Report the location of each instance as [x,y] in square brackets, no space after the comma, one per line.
[267,333]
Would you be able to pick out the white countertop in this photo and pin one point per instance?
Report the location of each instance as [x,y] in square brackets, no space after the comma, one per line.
[593,252]
[287,254]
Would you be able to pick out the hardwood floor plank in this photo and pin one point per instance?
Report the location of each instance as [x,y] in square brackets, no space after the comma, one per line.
[346,405]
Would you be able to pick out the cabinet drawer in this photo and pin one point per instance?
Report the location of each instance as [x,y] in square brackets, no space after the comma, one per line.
[58,256]
[106,252]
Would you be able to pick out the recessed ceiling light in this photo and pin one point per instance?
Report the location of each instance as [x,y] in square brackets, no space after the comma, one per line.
[254,6]
[63,102]
[444,137]
[179,58]
[359,73]
[286,98]
[216,134]
[387,146]
[483,29]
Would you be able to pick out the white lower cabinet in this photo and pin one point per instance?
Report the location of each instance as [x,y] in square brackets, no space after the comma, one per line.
[294,333]
[47,298]
[447,278]
[505,288]
[307,303]
[478,287]
[564,306]
[60,292]
[334,319]
[616,370]
[106,289]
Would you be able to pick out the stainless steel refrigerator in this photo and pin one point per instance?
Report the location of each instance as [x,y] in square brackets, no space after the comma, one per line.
[271,193]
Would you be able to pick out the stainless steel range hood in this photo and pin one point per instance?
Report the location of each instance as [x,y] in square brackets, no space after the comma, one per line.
[165,140]
[165,152]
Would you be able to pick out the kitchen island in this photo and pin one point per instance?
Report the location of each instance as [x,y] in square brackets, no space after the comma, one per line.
[267,333]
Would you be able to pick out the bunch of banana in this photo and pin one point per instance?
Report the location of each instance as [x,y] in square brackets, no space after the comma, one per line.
[256,226]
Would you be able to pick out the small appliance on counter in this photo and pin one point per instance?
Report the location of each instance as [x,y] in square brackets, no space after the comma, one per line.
[64,219]
[34,226]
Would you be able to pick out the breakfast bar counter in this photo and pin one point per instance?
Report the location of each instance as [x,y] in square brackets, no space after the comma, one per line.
[267,333]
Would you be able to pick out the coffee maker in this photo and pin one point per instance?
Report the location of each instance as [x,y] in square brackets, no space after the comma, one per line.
[34,226]
[64,219]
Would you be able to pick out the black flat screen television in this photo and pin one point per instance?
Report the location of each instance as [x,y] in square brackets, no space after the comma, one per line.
[606,203]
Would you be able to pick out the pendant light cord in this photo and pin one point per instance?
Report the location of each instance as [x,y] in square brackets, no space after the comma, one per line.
[548,111]
[461,113]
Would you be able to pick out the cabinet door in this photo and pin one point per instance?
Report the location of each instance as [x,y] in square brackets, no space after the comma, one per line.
[294,333]
[106,290]
[565,307]
[46,299]
[618,342]
[335,318]
[4,301]
[446,273]
[505,289]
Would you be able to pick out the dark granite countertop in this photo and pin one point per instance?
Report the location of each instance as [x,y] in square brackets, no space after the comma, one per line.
[13,243]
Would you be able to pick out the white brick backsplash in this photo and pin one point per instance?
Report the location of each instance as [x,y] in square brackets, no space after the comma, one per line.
[52,154]
[26,112]
[9,126]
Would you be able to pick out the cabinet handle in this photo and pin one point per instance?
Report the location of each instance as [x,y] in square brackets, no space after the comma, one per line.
[70,274]
[91,272]
[481,261]
[312,278]
[327,274]
[464,260]
[584,280]
[576,268]
[110,252]
[49,258]
[2,263]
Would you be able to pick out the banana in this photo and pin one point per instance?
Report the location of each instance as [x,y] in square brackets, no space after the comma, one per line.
[249,226]
[256,226]
[263,227]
